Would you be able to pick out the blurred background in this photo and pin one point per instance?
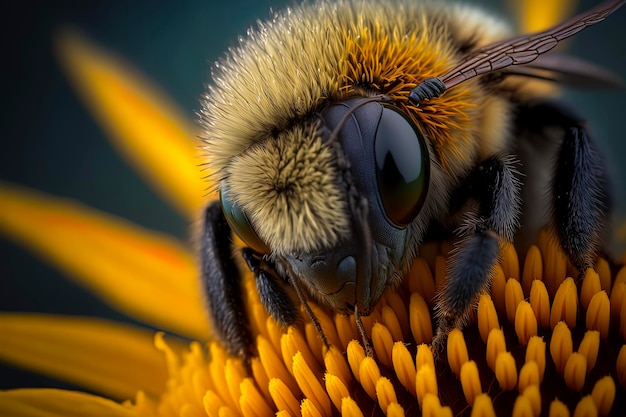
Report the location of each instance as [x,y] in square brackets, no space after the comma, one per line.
[51,143]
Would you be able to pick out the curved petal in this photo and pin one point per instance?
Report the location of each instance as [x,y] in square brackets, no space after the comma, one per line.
[536,15]
[59,403]
[110,358]
[142,123]
[144,274]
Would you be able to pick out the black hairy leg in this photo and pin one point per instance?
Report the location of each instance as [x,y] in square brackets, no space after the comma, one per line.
[580,197]
[580,190]
[494,186]
[273,295]
[222,287]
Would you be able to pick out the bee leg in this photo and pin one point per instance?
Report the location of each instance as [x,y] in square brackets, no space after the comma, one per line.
[221,281]
[274,298]
[580,195]
[470,266]
[580,189]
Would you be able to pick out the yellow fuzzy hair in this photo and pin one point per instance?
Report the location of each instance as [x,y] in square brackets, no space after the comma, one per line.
[259,115]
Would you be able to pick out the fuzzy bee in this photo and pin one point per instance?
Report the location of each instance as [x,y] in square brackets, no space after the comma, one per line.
[341,134]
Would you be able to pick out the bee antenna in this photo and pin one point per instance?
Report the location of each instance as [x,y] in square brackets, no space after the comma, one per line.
[363,230]
[427,89]
[303,301]
[344,119]
[519,50]
[359,324]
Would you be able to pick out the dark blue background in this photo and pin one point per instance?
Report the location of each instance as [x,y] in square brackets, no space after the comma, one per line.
[51,143]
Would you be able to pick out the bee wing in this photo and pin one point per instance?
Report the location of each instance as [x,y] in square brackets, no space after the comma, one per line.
[568,70]
[524,49]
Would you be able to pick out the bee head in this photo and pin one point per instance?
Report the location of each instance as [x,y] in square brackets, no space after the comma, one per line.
[341,191]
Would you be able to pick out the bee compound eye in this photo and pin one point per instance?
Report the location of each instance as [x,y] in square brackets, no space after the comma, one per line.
[402,166]
[240,224]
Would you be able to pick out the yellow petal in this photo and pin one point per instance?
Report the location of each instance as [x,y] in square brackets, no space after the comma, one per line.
[603,395]
[565,304]
[385,393]
[470,381]
[483,406]
[273,365]
[146,128]
[431,406]
[383,343]
[522,407]
[260,376]
[533,396]
[590,286]
[356,355]
[589,347]
[403,366]
[294,341]
[345,329]
[599,313]
[283,397]
[506,371]
[234,373]
[336,389]
[457,351]
[400,316]
[106,357]
[421,279]
[618,295]
[226,411]
[558,409]
[536,351]
[337,365]
[136,271]
[525,322]
[218,376]
[561,345]
[554,263]
[487,316]
[252,402]
[540,302]
[391,322]
[350,408]
[425,384]
[513,295]
[419,314]
[604,271]
[395,410]
[369,373]
[575,371]
[528,376]
[510,262]
[212,403]
[424,356]
[496,344]
[311,387]
[533,268]
[309,409]
[586,408]
[47,402]
[498,285]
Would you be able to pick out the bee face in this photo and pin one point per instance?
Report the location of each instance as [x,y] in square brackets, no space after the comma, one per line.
[331,170]
[380,170]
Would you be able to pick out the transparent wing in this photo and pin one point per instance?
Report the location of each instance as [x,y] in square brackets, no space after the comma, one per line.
[524,49]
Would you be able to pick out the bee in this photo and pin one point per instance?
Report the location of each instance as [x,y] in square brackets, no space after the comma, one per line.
[342,134]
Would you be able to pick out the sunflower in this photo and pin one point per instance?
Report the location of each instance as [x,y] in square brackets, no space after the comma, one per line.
[541,343]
